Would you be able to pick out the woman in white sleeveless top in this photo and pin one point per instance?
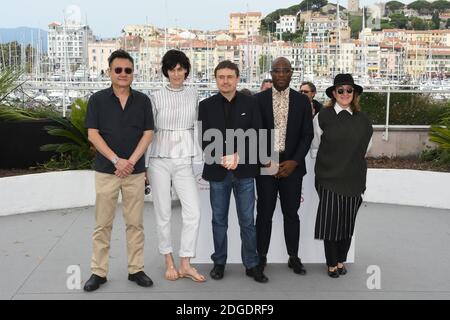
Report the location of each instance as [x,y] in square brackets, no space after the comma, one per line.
[170,161]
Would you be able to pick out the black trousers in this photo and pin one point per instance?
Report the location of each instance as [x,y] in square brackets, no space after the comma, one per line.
[290,192]
[336,251]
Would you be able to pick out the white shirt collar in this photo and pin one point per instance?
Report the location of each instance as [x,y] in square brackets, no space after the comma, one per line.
[338,109]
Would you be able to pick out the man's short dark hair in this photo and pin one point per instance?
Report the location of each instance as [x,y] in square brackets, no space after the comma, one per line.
[246,91]
[174,57]
[227,64]
[119,54]
[267,81]
[310,85]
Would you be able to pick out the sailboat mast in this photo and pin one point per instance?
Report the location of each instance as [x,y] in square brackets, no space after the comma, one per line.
[23,55]
[338,44]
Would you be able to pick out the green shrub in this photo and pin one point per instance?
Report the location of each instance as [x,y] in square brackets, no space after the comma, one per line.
[78,153]
[10,113]
[440,134]
[405,108]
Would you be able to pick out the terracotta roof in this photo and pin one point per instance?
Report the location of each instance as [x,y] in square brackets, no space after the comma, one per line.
[426,31]
[250,14]
[440,52]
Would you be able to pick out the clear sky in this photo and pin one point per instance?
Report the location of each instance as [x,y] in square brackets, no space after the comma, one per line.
[107,18]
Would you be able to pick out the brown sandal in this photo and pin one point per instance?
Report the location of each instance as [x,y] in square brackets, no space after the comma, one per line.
[193,275]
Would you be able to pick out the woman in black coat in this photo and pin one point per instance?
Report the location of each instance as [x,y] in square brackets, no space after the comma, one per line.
[342,134]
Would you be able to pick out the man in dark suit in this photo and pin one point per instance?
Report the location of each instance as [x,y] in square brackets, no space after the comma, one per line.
[289,113]
[227,117]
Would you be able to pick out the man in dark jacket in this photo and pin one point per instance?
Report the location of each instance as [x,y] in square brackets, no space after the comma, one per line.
[227,117]
[289,113]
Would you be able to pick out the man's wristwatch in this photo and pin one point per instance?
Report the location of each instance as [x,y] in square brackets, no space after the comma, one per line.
[115,160]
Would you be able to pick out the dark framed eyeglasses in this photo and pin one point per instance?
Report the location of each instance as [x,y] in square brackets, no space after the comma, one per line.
[341,91]
[304,91]
[281,70]
[119,70]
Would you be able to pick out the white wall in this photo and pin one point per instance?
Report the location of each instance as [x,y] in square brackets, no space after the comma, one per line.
[46,191]
[409,187]
[60,190]
[69,189]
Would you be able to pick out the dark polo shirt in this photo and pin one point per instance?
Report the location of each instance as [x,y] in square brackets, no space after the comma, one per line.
[122,129]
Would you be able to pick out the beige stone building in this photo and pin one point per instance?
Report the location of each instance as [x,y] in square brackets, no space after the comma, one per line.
[144,31]
[245,24]
[98,54]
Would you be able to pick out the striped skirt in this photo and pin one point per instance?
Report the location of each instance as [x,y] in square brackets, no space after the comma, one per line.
[336,215]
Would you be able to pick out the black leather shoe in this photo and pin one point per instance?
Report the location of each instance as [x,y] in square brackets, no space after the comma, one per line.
[296,264]
[217,272]
[94,283]
[342,271]
[141,279]
[333,274]
[257,274]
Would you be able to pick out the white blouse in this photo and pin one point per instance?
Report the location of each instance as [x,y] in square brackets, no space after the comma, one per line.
[175,113]
[318,131]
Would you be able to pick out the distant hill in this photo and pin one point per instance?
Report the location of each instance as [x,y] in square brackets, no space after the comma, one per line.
[23,35]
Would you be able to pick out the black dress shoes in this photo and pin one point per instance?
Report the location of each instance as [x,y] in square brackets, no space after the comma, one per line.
[342,271]
[217,272]
[257,274]
[333,274]
[141,279]
[296,264]
[94,283]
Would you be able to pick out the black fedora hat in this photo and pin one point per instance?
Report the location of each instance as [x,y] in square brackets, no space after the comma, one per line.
[343,79]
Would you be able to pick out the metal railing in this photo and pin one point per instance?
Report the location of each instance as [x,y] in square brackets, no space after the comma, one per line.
[207,89]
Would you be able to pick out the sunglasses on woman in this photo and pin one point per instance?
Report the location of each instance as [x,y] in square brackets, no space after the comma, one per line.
[119,70]
[341,91]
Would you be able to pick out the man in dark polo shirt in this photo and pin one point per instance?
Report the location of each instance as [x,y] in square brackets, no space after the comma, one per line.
[120,126]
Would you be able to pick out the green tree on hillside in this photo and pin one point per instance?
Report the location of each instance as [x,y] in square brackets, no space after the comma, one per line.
[447,24]
[313,5]
[418,24]
[421,6]
[398,20]
[268,24]
[386,24]
[392,6]
[435,21]
[355,26]
[440,5]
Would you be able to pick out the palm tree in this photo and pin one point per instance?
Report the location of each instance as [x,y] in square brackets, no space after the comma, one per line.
[77,152]
[9,82]
[441,133]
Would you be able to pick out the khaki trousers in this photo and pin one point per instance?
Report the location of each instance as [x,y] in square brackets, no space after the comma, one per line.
[107,187]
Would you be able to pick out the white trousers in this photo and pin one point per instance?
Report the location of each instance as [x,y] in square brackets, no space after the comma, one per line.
[163,171]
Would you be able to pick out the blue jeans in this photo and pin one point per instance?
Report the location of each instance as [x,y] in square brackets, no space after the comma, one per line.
[244,194]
